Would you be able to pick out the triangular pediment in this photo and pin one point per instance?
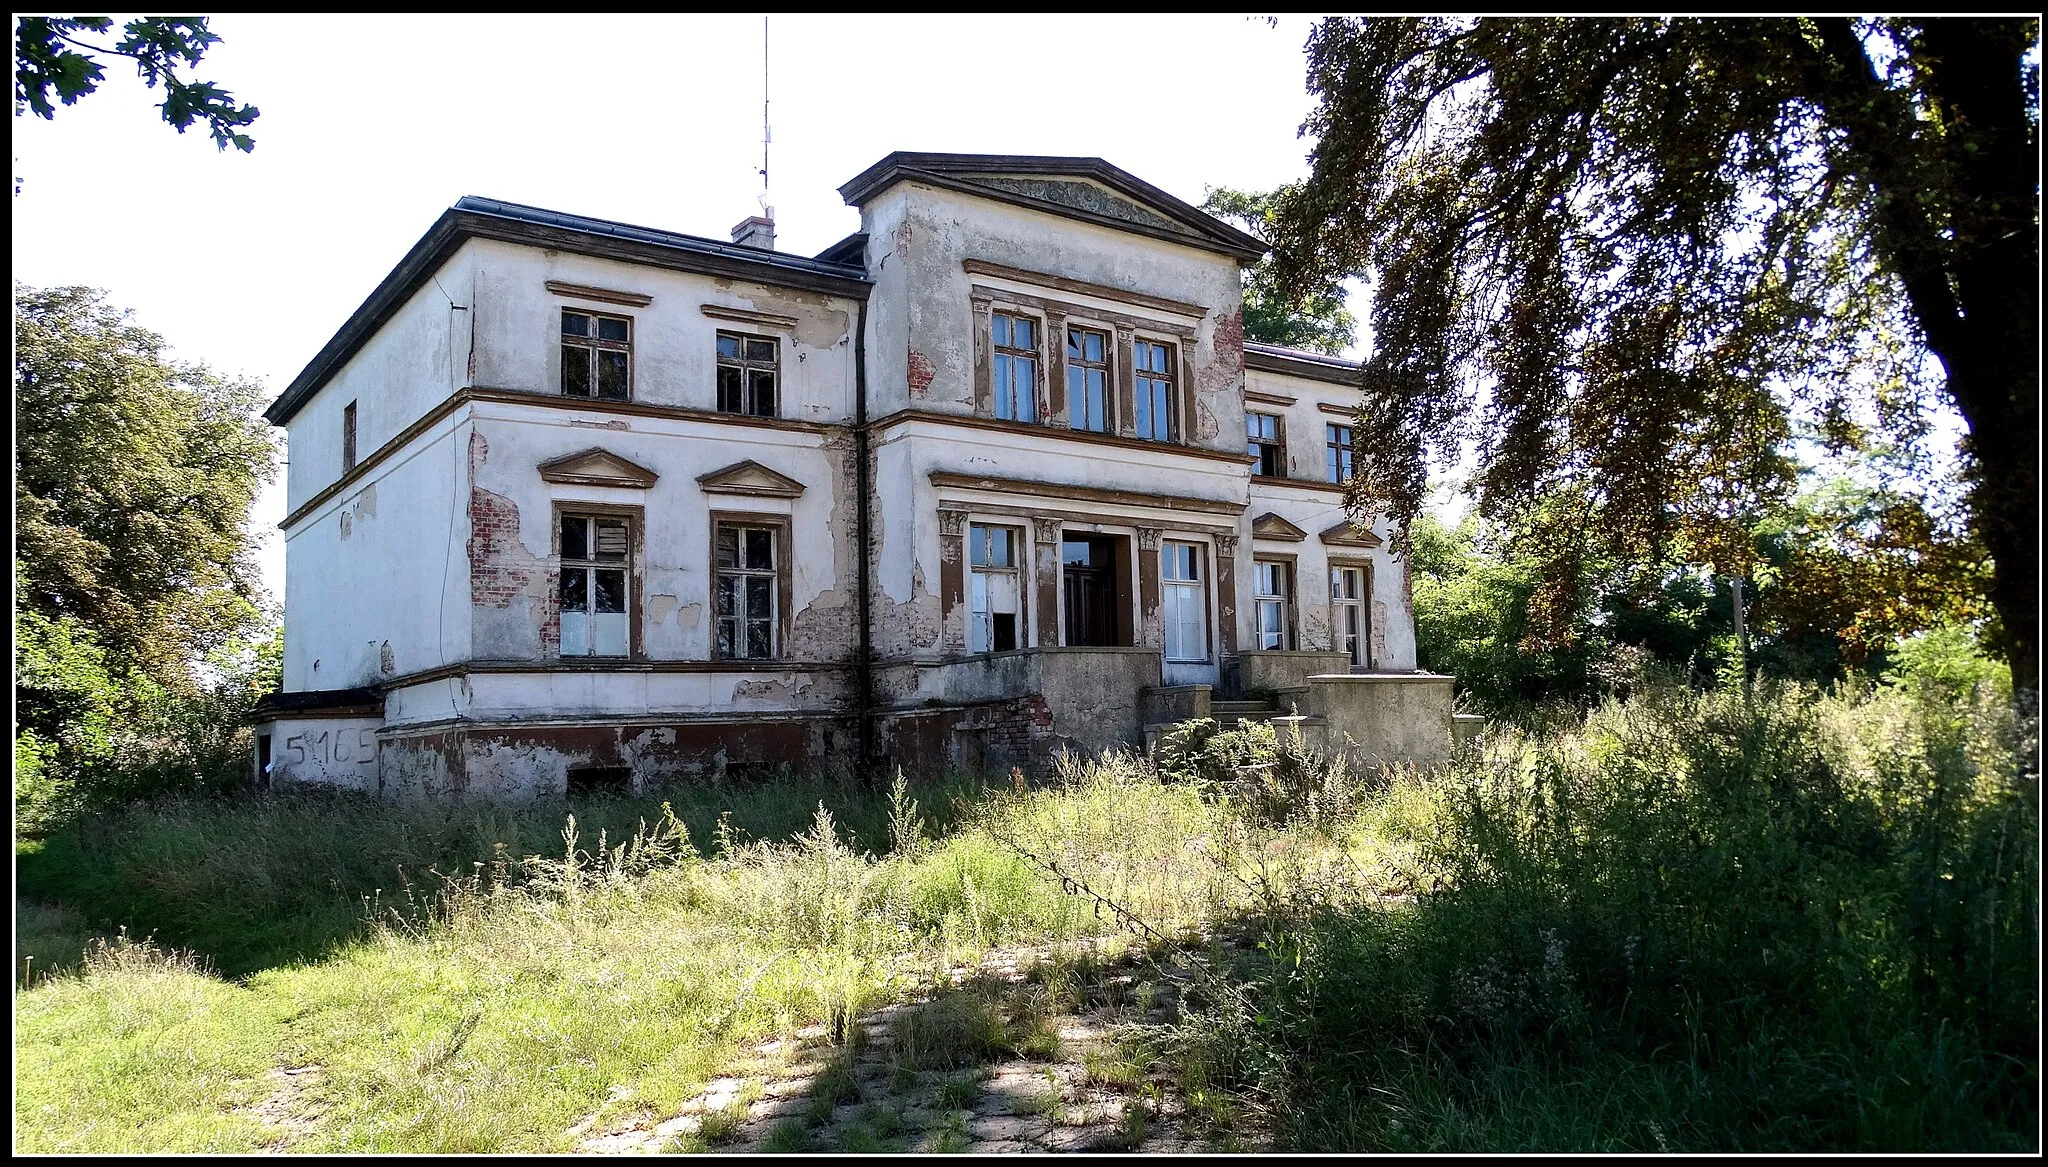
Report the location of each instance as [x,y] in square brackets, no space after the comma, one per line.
[1345,534]
[750,478]
[1272,526]
[597,467]
[1082,196]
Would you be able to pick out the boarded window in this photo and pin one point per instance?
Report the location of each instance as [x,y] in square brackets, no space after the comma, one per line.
[596,355]
[749,592]
[749,368]
[1185,603]
[596,578]
[995,614]
[1015,384]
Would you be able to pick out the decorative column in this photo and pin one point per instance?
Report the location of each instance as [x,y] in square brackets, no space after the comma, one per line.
[1046,571]
[952,579]
[984,357]
[1151,633]
[1226,596]
[1126,382]
[1055,411]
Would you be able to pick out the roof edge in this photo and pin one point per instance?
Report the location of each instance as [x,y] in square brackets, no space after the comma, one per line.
[1273,358]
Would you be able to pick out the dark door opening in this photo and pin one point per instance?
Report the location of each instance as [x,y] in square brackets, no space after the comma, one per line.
[1092,590]
[585,781]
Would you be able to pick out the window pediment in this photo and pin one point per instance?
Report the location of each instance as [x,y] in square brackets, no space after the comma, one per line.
[750,478]
[597,467]
[1272,526]
[1345,534]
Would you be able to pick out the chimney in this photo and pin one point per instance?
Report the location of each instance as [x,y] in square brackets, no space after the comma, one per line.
[756,230]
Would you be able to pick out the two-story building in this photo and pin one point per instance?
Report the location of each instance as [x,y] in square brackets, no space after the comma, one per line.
[573,502]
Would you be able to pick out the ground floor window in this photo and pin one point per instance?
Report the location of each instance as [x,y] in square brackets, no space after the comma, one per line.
[749,591]
[1271,593]
[1347,611]
[596,575]
[995,616]
[1185,603]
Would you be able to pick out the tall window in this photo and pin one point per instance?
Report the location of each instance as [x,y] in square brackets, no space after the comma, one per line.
[1153,389]
[1271,593]
[1088,379]
[348,437]
[747,372]
[1186,607]
[992,553]
[1015,384]
[595,576]
[595,355]
[1347,611]
[748,592]
[1337,442]
[1262,441]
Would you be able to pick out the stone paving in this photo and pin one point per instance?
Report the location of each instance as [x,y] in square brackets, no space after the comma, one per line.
[876,1092]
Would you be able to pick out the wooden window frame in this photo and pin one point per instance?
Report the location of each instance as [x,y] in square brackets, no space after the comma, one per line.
[1363,657]
[1201,584]
[1278,443]
[1170,375]
[1035,354]
[1107,366]
[348,437]
[1018,552]
[636,569]
[1333,447]
[1290,635]
[747,366]
[592,345]
[784,588]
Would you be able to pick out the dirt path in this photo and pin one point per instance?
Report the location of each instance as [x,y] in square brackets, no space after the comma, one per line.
[1032,1051]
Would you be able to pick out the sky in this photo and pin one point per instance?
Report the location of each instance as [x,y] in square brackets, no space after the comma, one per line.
[372,126]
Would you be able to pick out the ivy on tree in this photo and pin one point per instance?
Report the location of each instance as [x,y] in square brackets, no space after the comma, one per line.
[48,56]
[1631,259]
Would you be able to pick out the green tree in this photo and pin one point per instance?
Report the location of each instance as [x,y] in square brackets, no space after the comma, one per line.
[1624,256]
[133,480]
[1303,313]
[50,58]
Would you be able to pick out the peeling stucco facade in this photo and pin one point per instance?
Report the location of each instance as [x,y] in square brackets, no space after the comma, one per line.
[431,571]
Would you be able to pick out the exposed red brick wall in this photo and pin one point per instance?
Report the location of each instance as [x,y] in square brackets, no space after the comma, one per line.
[920,374]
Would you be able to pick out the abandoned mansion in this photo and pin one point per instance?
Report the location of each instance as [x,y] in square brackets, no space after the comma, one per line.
[573,502]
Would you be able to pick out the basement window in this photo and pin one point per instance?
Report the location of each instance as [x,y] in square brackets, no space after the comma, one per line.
[747,373]
[993,624]
[596,355]
[596,575]
[589,780]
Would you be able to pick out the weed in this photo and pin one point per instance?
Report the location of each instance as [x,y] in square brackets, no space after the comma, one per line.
[959,1092]
[835,1085]
[790,1135]
[959,1029]
[723,1125]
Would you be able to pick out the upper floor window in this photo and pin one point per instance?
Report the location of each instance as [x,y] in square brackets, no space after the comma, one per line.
[348,437]
[596,572]
[1088,379]
[1271,595]
[749,591]
[1185,604]
[1337,445]
[1262,441]
[1152,392]
[992,553]
[747,372]
[596,355]
[1015,387]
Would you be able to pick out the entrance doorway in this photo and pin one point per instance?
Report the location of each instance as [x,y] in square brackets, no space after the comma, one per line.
[1094,592]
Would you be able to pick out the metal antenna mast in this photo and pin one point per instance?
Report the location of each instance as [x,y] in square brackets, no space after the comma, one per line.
[764,113]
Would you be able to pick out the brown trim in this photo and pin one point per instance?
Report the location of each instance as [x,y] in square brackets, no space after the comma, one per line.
[982,267]
[636,564]
[1085,521]
[785,577]
[726,480]
[1298,484]
[1055,412]
[744,316]
[1151,629]
[601,295]
[595,346]
[1279,439]
[1344,411]
[626,473]
[1127,382]
[463,397]
[1273,526]
[1290,615]
[1061,432]
[1346,534]
[1226,549]
[953,526]
[1171,502]
[603,664]
[1118,319]
[1307,368]
[1364,567]
[1258,398]
[1045,578]
[982,312]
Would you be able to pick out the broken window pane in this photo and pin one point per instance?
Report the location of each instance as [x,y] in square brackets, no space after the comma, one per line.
[760,350]
[575,371]
[725,645]
[758,641]
[611,541]
[728,547]
[611,591]
[611,375]
[760,548]
[728,587]
[760,597]
[575,324]
[575,537]
[610,329]
[761,393]
[575,590]
[729,390]
[728,346]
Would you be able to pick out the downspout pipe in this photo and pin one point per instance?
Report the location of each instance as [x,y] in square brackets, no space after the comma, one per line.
[864,680]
